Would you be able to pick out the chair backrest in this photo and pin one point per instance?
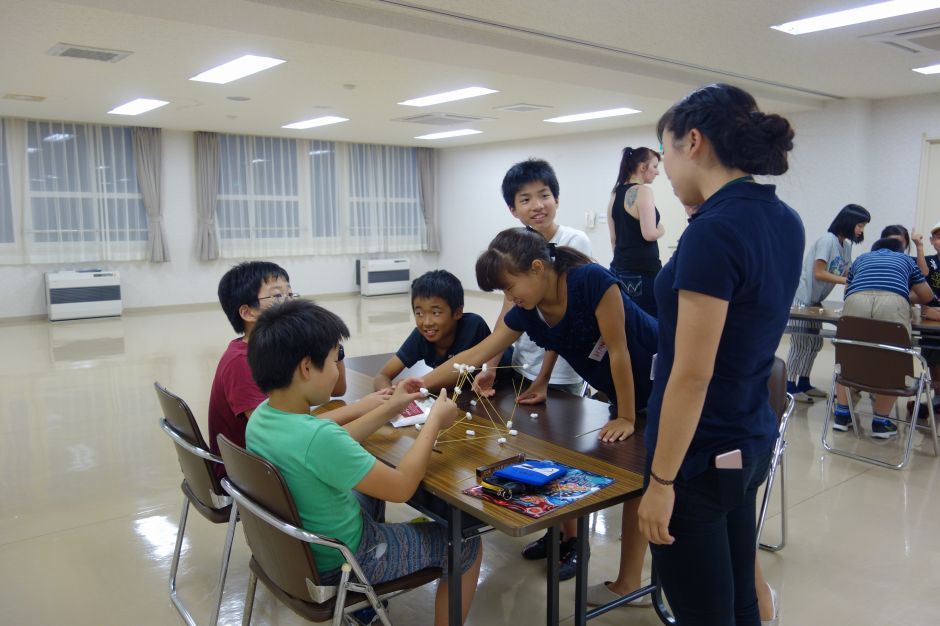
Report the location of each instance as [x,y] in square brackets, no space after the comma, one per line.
[871,368]
[287,561]
[777,384]
[198,471]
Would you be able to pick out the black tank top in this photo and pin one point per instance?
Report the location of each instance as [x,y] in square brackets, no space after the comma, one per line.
[632,251]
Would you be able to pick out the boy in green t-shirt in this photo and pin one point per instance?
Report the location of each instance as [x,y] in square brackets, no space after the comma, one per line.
[293,352]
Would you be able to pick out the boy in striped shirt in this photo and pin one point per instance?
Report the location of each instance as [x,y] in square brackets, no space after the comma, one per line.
[881,285]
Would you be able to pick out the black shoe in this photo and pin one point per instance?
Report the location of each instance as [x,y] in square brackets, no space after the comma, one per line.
[569,558]
[538,549]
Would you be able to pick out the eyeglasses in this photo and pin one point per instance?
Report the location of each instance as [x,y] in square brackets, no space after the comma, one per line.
[280,297]
[340,354]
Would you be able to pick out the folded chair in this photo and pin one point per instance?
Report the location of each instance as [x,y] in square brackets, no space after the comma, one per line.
[280,553]
[878,357]
[782,403]
[201,489]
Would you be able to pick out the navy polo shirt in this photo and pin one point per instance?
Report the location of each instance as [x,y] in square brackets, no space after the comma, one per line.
[745,246]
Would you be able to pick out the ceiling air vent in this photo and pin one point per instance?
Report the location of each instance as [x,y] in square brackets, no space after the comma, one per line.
[87,52]
[522,107]
[918,40]
[439,119]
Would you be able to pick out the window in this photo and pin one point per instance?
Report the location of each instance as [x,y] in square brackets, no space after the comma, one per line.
[82,189]
[258,191]
[296,196]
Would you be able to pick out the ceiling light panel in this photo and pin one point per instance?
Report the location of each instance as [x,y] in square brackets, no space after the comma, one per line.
[929,69]
[317,121]
[448,96]
[138,106]
[239,68]
[858,15]
[595,115]
[450,133]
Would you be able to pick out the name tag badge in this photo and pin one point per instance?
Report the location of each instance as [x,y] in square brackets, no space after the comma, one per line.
[600,349]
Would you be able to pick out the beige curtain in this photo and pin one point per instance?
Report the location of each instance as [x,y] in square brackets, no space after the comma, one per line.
[148,153]
[207,193]
[427,177]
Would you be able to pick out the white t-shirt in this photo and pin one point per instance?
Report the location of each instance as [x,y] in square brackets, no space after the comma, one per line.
[525,350]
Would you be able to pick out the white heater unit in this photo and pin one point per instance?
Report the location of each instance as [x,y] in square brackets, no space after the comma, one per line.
[79,294]
[378,277]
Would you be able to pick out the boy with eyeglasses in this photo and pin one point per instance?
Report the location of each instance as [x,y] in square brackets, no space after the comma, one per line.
[246,291]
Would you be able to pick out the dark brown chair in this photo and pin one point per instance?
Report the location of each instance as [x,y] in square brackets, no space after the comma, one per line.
[782,404]
[878,357]
[201,489]
[281,557]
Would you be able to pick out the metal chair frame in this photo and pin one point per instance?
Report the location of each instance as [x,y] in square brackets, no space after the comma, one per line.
[777,464]
[219,502]
[352,578]
[923,385]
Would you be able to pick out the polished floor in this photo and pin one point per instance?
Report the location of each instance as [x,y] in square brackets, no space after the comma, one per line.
[90,499]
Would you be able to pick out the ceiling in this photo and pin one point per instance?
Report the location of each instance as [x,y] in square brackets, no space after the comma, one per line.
[358,58]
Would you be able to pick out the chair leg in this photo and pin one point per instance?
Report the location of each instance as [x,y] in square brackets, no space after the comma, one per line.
[345,569]
[180,607]
[782,471]
[249,599]
[830,411]
[223,568]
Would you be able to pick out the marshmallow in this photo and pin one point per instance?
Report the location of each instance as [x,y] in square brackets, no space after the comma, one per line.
[509,424]
[424,391]
[534,416]
[470,433]
[483,367]
[501,440]
[417,426]
[513,432]
[473,403]
[468,415]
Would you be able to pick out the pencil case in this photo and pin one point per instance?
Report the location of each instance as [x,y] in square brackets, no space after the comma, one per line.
[534,473]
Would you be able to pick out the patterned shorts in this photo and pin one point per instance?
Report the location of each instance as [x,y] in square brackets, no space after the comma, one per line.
[389,551]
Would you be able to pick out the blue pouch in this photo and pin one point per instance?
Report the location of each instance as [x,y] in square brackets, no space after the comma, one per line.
[536,473]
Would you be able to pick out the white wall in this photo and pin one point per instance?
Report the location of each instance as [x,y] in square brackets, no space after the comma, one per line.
[185,279]
[849,151]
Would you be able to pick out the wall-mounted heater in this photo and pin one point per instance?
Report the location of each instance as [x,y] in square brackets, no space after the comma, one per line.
[78,294]
[378,277]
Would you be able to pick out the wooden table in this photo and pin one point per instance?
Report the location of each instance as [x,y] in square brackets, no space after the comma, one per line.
[925,333]
[565,431]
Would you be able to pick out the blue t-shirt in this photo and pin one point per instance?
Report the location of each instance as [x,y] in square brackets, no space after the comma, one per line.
[577,334]
[883,270]
[471,330]
[743,245]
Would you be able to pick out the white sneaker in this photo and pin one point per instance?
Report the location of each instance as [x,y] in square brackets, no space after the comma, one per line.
[773,600]
[801,396]
[601,594]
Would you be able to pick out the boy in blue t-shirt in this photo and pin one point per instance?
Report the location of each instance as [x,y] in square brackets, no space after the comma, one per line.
[338,487]
[442,328]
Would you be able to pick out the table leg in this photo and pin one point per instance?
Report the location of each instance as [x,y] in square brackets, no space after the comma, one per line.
[551,599]
[453,566]
[580,581]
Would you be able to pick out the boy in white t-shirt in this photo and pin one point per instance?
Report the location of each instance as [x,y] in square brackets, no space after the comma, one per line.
[530,189]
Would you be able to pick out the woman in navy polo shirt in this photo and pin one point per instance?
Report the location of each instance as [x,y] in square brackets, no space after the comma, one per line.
[724,299]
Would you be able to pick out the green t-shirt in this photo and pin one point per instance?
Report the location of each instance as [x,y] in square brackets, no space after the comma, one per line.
[321,464]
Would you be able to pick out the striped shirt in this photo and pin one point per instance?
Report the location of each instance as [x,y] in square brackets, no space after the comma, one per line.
[883,270]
